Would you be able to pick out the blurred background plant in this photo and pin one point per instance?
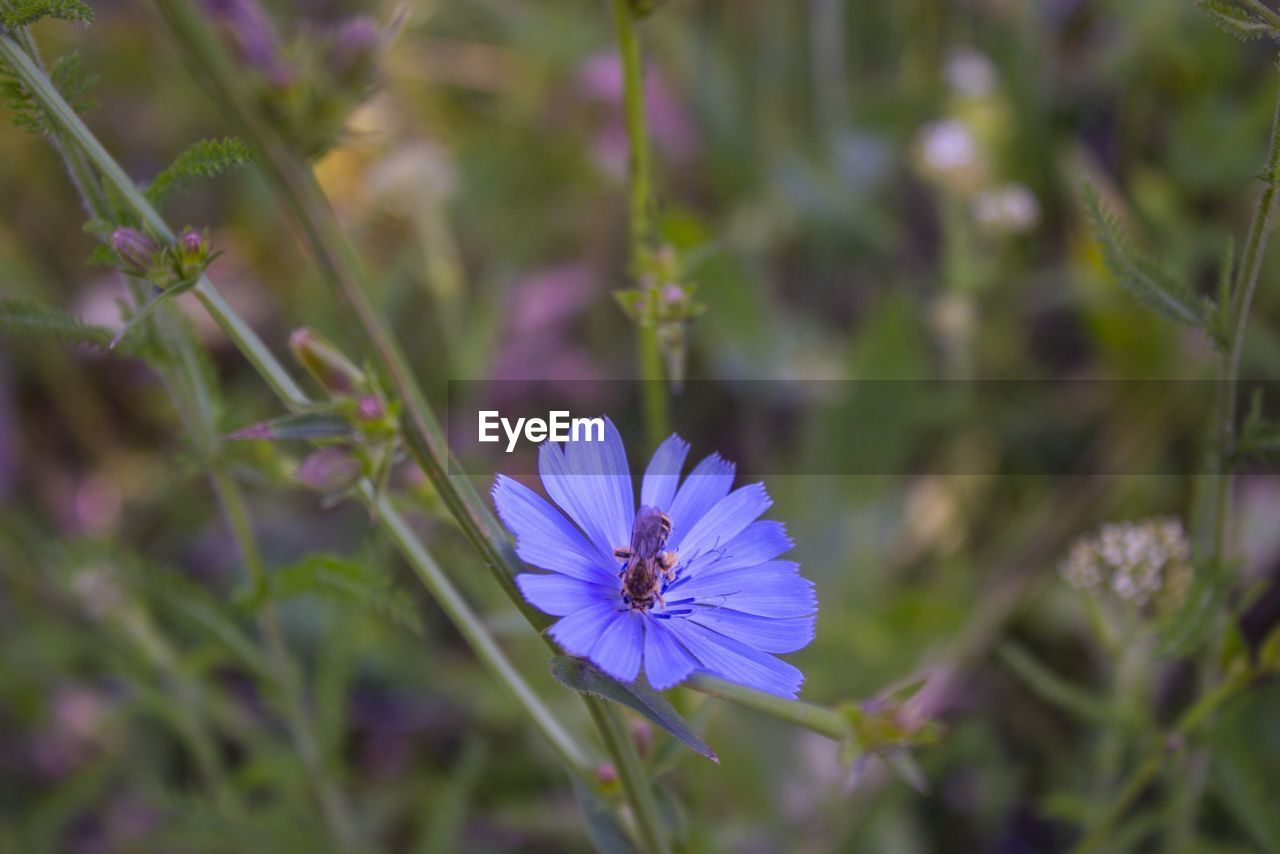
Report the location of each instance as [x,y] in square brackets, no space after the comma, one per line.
[857,191]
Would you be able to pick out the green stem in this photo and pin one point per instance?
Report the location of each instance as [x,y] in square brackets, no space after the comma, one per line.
[635,783]
[333,804]
[282,383]
[816,718]
[640,221]
[472,629]
[340,267]
[639,170]
[653,390]
[1150,766]
[1246,284]
[188,712]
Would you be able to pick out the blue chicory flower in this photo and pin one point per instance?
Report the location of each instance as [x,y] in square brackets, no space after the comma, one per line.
[721,602]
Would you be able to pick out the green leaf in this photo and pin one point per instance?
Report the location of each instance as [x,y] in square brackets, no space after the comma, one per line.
[585,677]
[344,580]
[19,317]
[1051,687]
[208,158]
[67,76]
[1237,20]
[305,425]
[23,13]
[606,835]
[1142,278]
[1188,628]
[140,314]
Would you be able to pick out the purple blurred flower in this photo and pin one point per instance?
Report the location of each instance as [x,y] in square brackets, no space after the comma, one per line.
[541,310]
[600,78]
[254,36]
[728,603]
[353,50]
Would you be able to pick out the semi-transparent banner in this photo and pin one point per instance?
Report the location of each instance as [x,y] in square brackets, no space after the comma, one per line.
[870,427]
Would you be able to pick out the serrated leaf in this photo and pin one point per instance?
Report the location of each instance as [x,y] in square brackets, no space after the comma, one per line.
[1234,19]
[208,158]
[67,76]
[344,580]
[19,317]
[1141,277]
[24,13]
[585,677]
[305,425]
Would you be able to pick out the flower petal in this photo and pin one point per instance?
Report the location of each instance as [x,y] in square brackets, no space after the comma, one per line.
[722,656]
[770,634]
[758,542]
[666,663]
[544,538]
[663,474]
[560,595]
[620,646]
[773,589]
[579,631]
[590,481]
[709,482]
[723,522]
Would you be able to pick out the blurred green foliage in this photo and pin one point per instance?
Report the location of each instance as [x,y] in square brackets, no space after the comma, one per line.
[483,181]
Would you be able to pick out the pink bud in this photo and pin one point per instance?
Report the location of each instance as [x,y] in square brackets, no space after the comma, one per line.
[370,408]
[136,249]
[329,470]
[334,371]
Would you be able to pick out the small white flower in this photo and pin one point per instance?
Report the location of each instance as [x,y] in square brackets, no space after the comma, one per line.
[947,146]
[1011,209]
[970,73]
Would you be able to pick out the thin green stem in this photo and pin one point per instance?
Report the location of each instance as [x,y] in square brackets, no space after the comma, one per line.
[75,130]
[341,269]
[1150,766]
[640,221]
[333,804]
[816,718]
[639,169]
[292,395]
[1242,292]
[188,386]
[472,629]
[635,783]
[1264,12]
[188,712]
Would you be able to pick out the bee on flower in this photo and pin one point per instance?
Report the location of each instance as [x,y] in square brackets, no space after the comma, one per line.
[689,582]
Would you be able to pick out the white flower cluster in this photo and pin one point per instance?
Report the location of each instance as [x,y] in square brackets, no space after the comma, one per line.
[1009,209]
[1141,563]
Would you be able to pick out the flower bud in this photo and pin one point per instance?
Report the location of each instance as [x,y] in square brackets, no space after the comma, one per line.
[329,470]
[370,408]
[135,248]
[353,51]
[334,371]
[191,255]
